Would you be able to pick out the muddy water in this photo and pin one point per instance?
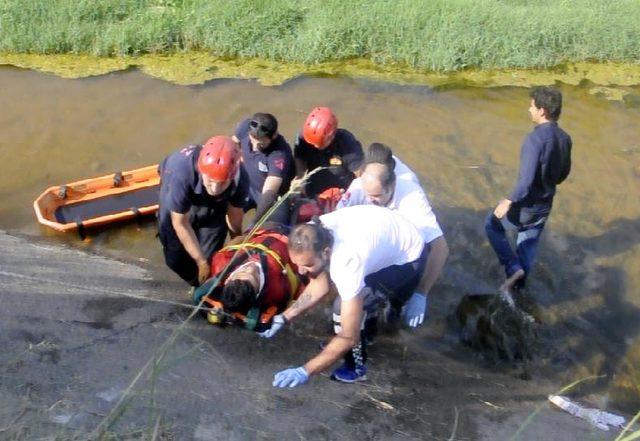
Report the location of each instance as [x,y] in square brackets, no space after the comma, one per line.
[463,142]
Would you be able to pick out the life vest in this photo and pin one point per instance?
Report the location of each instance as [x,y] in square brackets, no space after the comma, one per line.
[281,281]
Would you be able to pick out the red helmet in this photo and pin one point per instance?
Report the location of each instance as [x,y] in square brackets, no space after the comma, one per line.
[219,159]
[320,127]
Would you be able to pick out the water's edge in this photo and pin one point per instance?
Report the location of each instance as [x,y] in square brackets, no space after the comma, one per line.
[198,67]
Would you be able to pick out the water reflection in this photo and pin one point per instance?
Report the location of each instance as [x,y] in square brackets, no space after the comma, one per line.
[463,143]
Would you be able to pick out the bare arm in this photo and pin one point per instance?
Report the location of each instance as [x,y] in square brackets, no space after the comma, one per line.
[188,239]
[234,220]
[187,236]
[315,291]
[437,258]
[349,336]
[268,197]
[272,183]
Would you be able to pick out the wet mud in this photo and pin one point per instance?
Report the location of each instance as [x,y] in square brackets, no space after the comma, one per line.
[68,377]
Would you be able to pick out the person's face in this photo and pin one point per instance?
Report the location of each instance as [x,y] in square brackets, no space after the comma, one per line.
[260,143]
[248,273]
[376,193]
[214,188]
[309,263]
[537,115]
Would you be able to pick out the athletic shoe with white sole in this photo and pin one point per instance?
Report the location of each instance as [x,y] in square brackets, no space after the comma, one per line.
[348,375]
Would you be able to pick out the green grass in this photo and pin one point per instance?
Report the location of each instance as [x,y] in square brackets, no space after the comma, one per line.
[441,35]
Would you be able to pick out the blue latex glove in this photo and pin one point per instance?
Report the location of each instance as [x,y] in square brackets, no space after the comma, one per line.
[277,323]
[291,377]
[415,309]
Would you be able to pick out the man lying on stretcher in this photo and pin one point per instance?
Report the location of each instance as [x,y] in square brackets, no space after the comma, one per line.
[251,281]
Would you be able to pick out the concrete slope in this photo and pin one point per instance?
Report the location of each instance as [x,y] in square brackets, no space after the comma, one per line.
[73,339]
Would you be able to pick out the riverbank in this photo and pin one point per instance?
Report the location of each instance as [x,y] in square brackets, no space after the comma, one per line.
[462,142]
[91,367]
[425,35]
[199,67]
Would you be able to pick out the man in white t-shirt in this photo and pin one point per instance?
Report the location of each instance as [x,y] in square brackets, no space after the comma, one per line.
[387,182]
[371,254]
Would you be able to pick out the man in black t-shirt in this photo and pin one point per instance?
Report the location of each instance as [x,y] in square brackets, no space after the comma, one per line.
[323,144]
[268,161]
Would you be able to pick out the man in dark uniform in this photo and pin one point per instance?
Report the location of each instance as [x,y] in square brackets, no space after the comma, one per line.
[201,190]
[323,144]
[545,161]
[268,161]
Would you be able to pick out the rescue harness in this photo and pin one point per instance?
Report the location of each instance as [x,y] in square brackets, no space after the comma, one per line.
[255,319]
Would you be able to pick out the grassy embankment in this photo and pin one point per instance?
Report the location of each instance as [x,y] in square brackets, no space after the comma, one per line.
[433,35]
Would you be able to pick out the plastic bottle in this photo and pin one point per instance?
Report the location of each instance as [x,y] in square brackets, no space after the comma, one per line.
[601,419]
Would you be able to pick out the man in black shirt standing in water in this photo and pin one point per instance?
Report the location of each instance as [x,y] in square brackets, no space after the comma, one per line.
[545,161]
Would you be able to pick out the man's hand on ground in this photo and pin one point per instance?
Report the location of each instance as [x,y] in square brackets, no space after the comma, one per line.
[277,323]
[291,377]
[414,310]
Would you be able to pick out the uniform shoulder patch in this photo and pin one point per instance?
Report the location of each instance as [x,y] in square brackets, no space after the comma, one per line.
[279,163]
[335,160]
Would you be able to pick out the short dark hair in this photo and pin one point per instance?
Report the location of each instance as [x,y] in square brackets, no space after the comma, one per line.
[549,99]
[263,124]
[238,296]
[379,153]
[310,237]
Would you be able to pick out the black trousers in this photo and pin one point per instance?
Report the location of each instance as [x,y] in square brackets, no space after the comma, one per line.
[392,285]
[211,231]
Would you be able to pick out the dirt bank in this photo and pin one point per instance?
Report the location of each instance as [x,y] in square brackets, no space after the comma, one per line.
[76,330]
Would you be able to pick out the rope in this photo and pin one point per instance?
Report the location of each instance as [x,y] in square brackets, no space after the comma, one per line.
[102,290]
[114,413]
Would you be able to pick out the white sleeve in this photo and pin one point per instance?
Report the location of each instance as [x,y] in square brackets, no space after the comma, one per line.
[416,208]
[347,273]
[353,196]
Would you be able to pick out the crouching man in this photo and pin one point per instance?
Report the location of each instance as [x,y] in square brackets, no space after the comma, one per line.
[387,182]
[372,255]
[202,195]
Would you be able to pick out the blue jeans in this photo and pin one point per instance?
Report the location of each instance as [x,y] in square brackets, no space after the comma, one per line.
[529,225]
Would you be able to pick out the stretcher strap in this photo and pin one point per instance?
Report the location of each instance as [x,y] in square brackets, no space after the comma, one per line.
[291,275]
